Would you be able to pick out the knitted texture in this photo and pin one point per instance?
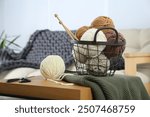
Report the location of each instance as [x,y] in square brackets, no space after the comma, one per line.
[117,87]
[5,54]
[112,51]
[50,43]
[41,44]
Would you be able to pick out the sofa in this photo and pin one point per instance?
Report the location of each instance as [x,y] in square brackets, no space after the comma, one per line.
[137,44]
[137,54]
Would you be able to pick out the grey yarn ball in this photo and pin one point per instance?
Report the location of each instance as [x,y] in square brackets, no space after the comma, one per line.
[98,65]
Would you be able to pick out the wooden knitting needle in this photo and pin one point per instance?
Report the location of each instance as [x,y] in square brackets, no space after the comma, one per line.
[67,30]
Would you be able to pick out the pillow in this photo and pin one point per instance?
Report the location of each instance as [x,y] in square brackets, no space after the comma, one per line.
[144,77]
[145,49]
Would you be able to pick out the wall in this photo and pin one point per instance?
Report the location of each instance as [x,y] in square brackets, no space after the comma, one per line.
[125,13]
[23,17]
[75,13]
[130,13]
[1,15]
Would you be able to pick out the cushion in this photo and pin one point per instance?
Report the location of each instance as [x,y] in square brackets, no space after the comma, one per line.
[144,38]
[145,49]
[137,40]
[144,77]
[132,37]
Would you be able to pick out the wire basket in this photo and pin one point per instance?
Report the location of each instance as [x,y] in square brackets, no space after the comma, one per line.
[98,58]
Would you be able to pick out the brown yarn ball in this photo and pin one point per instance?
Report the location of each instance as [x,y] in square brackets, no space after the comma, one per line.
[81,31]
[103,21]
[112,51]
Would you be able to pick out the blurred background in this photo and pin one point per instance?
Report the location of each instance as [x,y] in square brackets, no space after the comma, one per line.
[23,17]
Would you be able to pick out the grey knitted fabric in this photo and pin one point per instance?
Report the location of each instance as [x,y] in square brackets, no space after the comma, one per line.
[48,43]
[117,87]
[5,54]
[41,44]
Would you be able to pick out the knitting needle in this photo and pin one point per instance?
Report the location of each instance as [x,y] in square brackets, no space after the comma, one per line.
[67,30]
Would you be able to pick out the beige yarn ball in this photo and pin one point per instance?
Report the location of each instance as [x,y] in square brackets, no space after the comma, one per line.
[52,67]
[90,33]
[89,36]
[83,51]
[81,31]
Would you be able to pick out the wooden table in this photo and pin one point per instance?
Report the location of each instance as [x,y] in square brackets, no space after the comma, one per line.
[131,62]
[133,59]
[43,89]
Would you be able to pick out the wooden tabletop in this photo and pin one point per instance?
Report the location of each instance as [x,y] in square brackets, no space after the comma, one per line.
[44,89]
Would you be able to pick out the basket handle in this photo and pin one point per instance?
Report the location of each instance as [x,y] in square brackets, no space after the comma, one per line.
[99,29]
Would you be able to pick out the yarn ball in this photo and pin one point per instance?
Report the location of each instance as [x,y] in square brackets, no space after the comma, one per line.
[112,51]
[52,67]
[110,34]
[98,65]
[79,53]
[81,31]
[103,21]
[93,50]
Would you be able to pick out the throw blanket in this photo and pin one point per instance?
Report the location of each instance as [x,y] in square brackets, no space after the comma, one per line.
[117,87]
[41,44]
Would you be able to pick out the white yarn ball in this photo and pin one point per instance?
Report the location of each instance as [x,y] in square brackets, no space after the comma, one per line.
[89,36]
[90,33]
[80,53]
[52,67]
[98,65]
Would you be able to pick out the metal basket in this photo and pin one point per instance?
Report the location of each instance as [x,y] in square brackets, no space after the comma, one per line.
[92,57]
